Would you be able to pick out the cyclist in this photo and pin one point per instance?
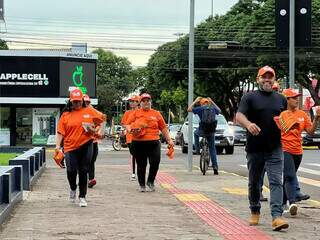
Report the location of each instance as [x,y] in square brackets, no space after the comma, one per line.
[76,129]
[134,105]
[255,113]
[145,124]
[207,109]
[291,140]
[97,139]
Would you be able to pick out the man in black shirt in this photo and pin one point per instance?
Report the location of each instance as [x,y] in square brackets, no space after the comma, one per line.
[255,113]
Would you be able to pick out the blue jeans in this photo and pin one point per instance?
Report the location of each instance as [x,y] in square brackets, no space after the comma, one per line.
[273,163]
[290,182]
[212,147]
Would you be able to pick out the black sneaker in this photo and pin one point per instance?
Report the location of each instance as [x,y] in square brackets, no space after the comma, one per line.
[301,197]
[215,172]
[151,186]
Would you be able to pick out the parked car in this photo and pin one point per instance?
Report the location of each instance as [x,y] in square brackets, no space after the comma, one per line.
[224,136]
[173,130]
[240,134]
[311,140]
[178,136]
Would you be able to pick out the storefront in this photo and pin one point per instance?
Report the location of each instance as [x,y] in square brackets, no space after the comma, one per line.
[34,88]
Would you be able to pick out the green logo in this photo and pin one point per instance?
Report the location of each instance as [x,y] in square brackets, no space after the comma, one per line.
[77,78]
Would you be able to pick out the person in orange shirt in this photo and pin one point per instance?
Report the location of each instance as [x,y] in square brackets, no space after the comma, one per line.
[134,105]
[144,124]
[97,138]
[76,129]
[292,143]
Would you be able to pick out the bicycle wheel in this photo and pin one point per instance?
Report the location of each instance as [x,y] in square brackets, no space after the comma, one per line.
[116,144]
[202,163]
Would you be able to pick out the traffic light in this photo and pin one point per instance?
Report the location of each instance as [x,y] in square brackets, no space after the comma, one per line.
[302,23]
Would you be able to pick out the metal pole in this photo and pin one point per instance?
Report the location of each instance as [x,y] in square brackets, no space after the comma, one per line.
[190,85]
[292,44]
[211,8]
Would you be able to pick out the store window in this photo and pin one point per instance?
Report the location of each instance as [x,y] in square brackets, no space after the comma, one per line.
[4,126]
[24,126]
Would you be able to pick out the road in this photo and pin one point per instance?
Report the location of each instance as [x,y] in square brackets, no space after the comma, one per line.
[309,171]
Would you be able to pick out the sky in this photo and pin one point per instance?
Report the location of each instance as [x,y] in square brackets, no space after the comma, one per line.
[130,28]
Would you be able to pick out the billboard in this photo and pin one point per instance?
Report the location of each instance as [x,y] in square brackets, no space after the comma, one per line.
[29,77]
[77,74]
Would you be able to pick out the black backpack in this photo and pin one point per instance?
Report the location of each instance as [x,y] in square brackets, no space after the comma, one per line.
[208,122]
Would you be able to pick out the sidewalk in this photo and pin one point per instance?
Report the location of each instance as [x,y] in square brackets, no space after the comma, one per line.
[184,206]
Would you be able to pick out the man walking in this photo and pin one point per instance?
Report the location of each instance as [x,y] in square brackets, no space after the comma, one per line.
[255,113]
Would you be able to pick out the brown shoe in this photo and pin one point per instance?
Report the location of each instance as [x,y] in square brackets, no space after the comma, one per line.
[254,219]
[279,223]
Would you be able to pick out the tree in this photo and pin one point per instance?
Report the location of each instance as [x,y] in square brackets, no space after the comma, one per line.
[3,45]
[115,79]
[225,74]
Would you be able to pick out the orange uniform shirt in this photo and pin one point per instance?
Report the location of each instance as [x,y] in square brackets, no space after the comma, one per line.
[70,127]
[292,141]
[124,121]
[154,121]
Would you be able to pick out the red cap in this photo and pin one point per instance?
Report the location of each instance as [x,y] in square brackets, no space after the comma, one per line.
[76,95]
[289,92]
[86,98]
[145,95]
[264,70]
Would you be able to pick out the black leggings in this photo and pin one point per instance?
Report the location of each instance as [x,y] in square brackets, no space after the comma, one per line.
[93,161]
[144,151]
[78,161]
[133,159]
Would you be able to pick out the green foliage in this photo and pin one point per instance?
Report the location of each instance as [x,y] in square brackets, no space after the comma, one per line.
[5,157]
[116,79]
[220,74]
[3,45]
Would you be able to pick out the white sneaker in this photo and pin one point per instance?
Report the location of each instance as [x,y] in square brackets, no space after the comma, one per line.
[133,177]
[72,196]
[83,202]
[293,209]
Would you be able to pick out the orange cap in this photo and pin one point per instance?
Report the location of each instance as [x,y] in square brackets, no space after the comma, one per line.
[275,86]
[134,98]
[204,101]
[264,70]
[289,92]
[76,95]
[145,95]
[86,98]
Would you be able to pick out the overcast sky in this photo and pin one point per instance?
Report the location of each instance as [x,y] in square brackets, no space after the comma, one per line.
[129,18]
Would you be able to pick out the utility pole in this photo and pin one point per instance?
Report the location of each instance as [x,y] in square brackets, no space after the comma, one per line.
[292,44]
[190,86]
[211,8]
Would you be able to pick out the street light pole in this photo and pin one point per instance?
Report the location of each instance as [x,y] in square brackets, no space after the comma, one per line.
[292,44]
[211,8]
[190,85]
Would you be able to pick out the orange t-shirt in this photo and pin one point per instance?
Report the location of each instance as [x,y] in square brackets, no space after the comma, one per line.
[292,141]
[70,127]
[124,121]
[99,127]
[154,121]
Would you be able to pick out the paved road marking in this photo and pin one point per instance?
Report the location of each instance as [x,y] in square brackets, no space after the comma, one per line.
[236,191]
[309,181]
[307,170]
[217,217]
[191,197]
[313,164]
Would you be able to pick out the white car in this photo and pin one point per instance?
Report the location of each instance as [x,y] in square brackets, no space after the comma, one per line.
[224,135]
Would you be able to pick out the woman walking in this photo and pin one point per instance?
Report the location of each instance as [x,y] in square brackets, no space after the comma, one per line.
[144,124]
[76,129]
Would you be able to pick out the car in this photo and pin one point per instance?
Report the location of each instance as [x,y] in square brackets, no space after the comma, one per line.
[224,135]
[240,134]
[173,130]
[311,140]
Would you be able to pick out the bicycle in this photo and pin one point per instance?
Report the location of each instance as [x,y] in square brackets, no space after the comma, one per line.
[119,141]
[204,155]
